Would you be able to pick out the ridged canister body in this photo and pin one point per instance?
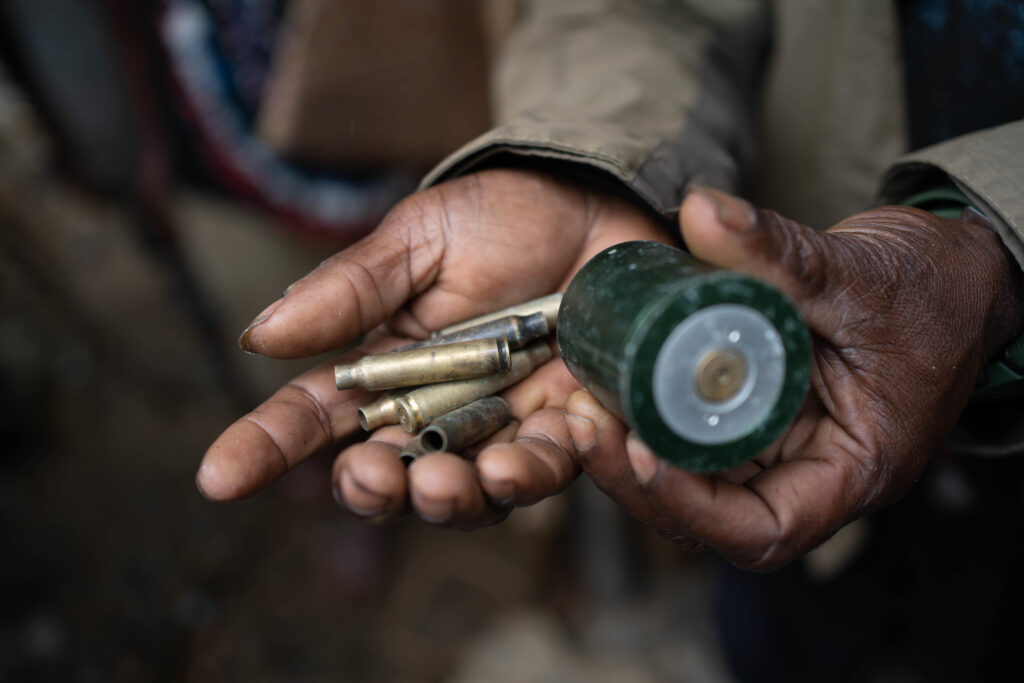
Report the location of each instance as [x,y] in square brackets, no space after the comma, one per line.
[708,366]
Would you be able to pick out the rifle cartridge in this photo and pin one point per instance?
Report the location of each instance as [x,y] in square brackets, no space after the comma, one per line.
[465,426]
[707,366]
[442,363]
[519,330]
[420,407]
[548,305]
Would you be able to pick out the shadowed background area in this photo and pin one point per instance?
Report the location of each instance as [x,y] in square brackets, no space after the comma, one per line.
[166,169]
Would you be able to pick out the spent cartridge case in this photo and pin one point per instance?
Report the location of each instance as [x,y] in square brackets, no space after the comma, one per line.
[547,305]
[383,411]
[412,450]
[519,330]
[422,406]
[442,363]
[465,426]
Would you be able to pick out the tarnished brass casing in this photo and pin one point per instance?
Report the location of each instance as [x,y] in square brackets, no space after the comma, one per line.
[383,411]
[442,363]
[412,450]
[420,407]
[519,330]
[465,426]
[548,305]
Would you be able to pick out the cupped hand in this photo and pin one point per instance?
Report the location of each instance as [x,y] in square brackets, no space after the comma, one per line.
[466,247]
[904,308]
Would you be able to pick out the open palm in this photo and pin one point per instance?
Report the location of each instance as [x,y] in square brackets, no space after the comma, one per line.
[467,247]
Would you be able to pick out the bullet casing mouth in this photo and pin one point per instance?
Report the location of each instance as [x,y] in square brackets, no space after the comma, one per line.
[466,425]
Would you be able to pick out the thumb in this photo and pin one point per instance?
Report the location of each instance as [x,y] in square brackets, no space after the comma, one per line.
[729,233]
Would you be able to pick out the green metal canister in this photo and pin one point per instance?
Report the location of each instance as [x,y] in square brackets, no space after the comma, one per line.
[708,366]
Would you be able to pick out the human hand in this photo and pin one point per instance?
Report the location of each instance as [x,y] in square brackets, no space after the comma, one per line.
[904,308]
[461,249]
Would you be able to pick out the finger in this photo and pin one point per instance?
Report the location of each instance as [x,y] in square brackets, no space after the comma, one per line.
[771,519]
[353,291]
[599,443]
[503,435]
[444,490]
[535,465]
[547,387]
[727,232]
[370,480]
[301,418]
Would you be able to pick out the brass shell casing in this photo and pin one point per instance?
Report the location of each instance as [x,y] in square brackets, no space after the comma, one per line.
[412,450]
[443,363]
[420,407]
[465,426]
[548,305]
[519,330]
[383,411]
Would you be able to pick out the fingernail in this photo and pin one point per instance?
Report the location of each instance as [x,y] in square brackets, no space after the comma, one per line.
[733,212]
[645,465]
[501,493]
[582,431]
[243,339]
[289,288]
[432,512]
[336,492]
[363,512]
[373,503]
[199,483]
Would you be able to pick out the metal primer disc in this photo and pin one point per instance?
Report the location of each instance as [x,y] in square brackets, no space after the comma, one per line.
[719,373]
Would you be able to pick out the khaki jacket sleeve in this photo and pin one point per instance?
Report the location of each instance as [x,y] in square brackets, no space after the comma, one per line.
[654,93]
[987,166]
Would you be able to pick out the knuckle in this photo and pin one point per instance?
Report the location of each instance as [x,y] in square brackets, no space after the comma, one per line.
[780,552]
[799,251]
[421,219]
[312,406]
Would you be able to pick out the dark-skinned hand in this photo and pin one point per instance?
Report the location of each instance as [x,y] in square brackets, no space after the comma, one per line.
[904,308]
[461,249]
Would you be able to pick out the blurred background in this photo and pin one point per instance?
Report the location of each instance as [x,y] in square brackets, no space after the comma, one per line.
[167,168]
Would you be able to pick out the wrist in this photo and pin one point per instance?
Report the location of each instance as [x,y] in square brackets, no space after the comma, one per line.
[1004,278]
[1002,376]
